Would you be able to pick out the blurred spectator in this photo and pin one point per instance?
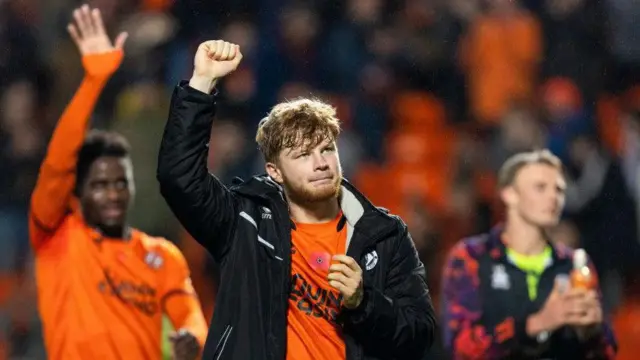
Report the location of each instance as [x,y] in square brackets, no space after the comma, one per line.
[427,30]
[518,131]
[289,55]
[371,109]
[239,90]
[599,202]
[630,154]
[564,114]
[229,150]
[22,149]
[624,50]
[465,10]
[345,49]
[575,43]
[19,57]
[140,116]
[508,71]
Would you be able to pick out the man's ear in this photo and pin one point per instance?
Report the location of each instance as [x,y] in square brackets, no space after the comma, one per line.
[274,172]
[509,196]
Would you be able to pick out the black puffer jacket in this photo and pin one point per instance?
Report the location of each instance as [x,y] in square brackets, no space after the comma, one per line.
[248,231]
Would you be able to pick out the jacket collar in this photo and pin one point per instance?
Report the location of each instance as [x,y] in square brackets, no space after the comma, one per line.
[497,249]
[355,206]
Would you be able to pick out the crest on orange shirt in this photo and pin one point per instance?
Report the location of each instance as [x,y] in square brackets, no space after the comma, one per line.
[154,260]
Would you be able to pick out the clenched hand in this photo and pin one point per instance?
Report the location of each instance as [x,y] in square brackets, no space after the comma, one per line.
[214,59]
[346,277]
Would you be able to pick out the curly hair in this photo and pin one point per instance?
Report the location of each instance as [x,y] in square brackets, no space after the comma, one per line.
[296,123]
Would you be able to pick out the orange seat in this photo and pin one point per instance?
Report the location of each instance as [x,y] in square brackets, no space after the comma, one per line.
[429,183]
[416,110]
[420,148]
[376,184]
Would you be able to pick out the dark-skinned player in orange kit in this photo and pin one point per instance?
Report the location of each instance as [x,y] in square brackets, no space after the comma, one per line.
[103,286]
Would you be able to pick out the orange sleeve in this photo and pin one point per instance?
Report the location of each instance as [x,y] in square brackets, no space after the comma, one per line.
[51,197]
[179,299]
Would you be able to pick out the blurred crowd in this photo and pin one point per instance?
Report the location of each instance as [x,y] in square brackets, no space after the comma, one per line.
[434,95]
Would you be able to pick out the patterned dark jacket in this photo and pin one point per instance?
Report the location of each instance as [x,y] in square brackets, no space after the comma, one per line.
[486,304]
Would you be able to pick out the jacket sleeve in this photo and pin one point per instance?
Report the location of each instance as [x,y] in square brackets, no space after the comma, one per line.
[603,346]
[465,336]
[51,198]
[399,321]
[204,206]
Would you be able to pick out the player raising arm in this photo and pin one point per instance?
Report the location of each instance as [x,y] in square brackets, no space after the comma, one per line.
[103,286]
[310,268]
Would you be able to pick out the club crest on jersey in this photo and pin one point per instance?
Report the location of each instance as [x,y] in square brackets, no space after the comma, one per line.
[500,278]
[154,260]
[371,260]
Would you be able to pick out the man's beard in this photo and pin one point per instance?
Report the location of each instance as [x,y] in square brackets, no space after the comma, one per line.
[308,194]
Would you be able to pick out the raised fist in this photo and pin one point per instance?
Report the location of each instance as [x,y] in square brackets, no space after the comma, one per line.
[214,59]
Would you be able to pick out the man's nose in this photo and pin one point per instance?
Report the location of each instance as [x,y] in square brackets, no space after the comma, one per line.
[113,193]
[319,162]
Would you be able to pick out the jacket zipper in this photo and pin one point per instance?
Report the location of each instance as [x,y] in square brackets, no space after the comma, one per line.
[356,350]
[223,341]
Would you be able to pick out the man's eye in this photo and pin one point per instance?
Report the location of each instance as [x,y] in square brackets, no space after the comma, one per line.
[99,185]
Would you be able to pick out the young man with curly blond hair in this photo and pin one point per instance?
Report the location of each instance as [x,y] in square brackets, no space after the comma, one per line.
[310,269]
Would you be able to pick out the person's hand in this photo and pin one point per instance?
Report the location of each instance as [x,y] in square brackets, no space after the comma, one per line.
[214,59]
[89,35]
[185,345]
[346,277]
[555,312]
[584,308]
[585,312]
